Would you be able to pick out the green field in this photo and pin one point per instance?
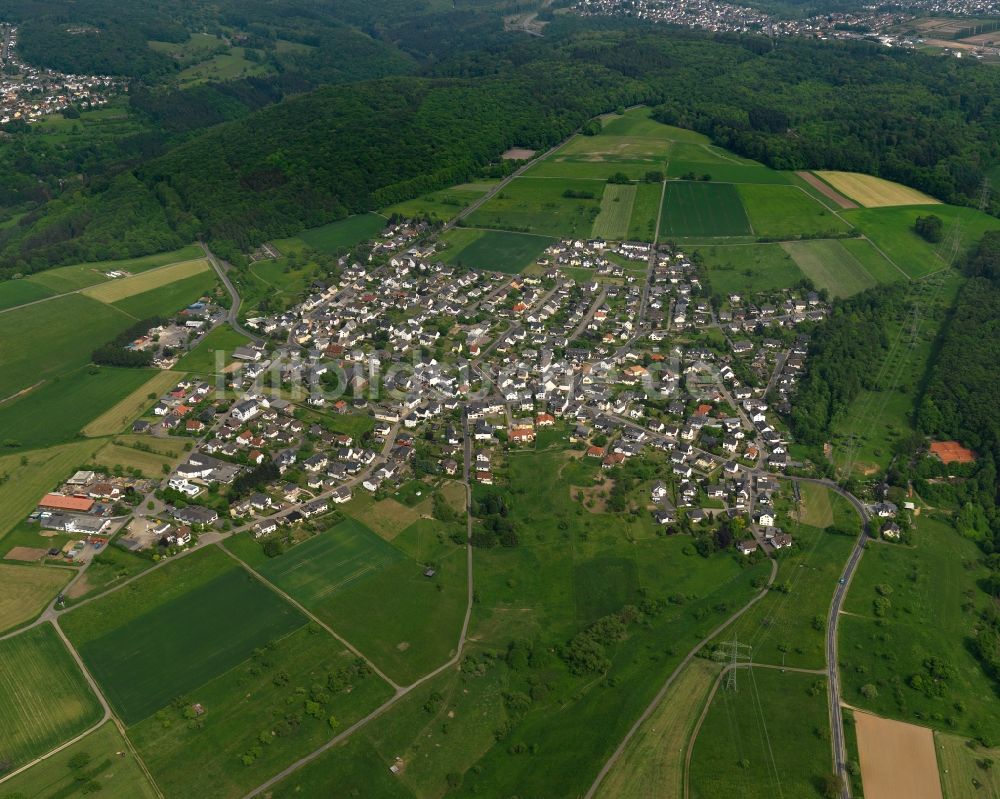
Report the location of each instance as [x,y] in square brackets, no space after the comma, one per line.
[115,776]
[201,358]
[788,626]
[537,205]
[42,341]
[891,229]
[612,222]
[263,710]
[44,699]
[149,463]
[168,300]
[874,262]
[495,250]
[226,66]
[154,640]
[747,269]
[56,412]
[337,235]
[829,265]
[966,767]
[78,276]
[702,210]
[787,212]
[376,597]
[439,205]
[330,562]
[933,603]
[632,144]
[27,589]
[645,211]
[19,292]
[768,738]
[111,566]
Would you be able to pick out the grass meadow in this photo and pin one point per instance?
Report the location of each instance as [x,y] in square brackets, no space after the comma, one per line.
[111,565]
[377,597]
[892,230]
[496,250]
[746,269]
[44,699]
[702,210]
[612,222]
[202,359]
[788,626]
[768,738]
[27,589]
[125,411]
[117,777]
[19,292]
[154,640]
[121,452]
[787,212]
[537,205]
[442,205]
[55,412]
[933,601]
[278,704]
[829,265]
[53,338]
[344,233]
[966,767]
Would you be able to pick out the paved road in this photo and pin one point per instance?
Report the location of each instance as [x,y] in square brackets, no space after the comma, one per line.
[833,618]
[221,268]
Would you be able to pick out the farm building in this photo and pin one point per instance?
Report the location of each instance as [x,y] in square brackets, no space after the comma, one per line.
[63,502]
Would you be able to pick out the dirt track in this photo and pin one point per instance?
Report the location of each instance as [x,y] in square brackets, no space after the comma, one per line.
[897,759]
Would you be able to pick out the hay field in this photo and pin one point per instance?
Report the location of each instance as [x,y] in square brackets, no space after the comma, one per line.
[115,290]
[26,591]
[652,764]
[897,759]
[116,418]
[616,210]
[816,509]
[43,697]
[872,192]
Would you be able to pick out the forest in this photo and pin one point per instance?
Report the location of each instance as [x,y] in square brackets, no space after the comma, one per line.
[844,353]
[386,103]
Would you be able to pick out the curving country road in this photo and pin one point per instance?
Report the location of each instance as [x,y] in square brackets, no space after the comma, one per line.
[221,269]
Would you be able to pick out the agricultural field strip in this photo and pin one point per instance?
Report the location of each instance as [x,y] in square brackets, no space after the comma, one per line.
[88,290]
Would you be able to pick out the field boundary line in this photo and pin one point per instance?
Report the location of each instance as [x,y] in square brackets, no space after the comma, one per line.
[310,615]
